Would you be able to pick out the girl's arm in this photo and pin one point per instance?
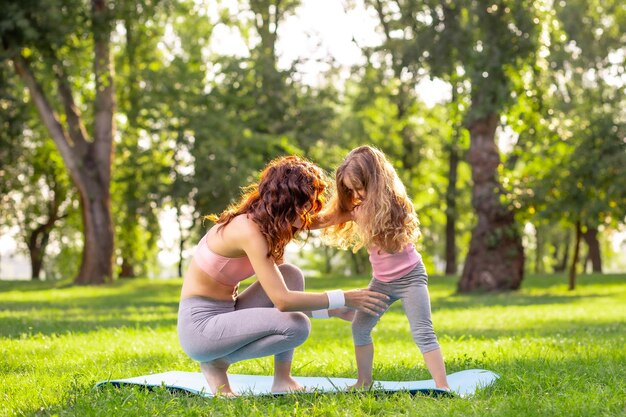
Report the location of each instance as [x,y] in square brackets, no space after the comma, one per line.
[326,219]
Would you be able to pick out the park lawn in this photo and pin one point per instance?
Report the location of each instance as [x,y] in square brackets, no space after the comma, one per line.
[559,352]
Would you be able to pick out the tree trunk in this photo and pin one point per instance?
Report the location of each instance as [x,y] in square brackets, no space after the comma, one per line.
[37,243]
[268,17]
[89,163]
[36,261]
[451,214]
[538,251]
[130,95]
[591,238]
[561,264]
[328,256]
[97,259]
[39,237]
[127,270]
[572,270]
[181,241]
[181,248]
[357,263]
[495,260]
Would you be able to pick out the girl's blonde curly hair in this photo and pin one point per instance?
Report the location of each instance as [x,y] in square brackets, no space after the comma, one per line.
[385,218]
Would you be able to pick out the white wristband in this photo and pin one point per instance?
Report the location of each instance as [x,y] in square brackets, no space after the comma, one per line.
[320,314]
[336,299]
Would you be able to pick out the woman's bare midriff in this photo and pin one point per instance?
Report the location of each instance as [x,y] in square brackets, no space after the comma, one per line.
[199,283]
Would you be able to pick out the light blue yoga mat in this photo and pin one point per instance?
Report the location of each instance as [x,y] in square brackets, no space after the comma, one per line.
[462,383]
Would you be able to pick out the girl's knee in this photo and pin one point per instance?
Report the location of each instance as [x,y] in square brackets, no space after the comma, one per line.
[293,276]
[426,340]
[361,333]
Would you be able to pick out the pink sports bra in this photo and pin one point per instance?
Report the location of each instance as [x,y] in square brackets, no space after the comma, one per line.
[228,271]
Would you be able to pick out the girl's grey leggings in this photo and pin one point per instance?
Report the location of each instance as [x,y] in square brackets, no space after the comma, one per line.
[412,289]
[249,327]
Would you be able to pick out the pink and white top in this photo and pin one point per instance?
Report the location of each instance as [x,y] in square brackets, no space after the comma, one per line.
[390,266]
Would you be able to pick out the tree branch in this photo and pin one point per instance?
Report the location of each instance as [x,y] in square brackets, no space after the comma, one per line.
[47,114]
[104,100]
[77,133]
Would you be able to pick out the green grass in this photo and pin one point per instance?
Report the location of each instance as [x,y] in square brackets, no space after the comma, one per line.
[559,352]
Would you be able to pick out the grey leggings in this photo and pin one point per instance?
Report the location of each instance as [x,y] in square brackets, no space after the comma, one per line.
[249,327]
[412,289]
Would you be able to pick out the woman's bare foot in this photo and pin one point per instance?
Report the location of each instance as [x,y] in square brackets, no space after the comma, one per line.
[361,385]
[216,376]
[286,384]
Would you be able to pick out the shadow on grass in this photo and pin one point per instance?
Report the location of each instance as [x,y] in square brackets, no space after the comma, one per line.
[552,286]
[17,329]
[26,286]
[135,305]
[154,304]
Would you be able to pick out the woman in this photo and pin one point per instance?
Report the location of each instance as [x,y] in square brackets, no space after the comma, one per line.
[216,325]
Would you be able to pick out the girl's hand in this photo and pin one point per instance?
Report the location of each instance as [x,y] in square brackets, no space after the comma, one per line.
[343,313]
[370,302]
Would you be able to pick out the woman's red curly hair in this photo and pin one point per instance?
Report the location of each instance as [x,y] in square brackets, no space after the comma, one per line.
[286,187]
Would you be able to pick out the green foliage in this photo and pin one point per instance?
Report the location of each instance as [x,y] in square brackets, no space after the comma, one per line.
[37,194]
[480,43]
[144,155]
[194,126]
[571,146]
[556,352]
[254,112]
[13,118]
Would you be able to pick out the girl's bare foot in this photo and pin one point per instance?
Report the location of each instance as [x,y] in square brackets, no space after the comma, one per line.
[361,385]
[286,384]
[216,376]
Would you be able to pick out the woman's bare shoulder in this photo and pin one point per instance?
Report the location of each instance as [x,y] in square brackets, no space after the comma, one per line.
[244,228]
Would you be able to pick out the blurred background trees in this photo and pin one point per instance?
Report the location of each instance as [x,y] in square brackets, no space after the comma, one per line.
[124,123]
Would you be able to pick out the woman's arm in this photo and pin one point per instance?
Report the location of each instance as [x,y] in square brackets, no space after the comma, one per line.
[270,278]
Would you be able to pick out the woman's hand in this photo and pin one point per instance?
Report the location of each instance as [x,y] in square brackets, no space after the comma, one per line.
[370,302]
[343,313]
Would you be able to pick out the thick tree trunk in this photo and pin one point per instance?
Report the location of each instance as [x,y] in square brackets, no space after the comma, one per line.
[591,238]
[572,270]
[495,260]
[97,259]
[89,163]
[451,214]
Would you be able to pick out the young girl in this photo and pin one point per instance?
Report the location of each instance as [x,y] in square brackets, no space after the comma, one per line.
[384,221]
[217,326]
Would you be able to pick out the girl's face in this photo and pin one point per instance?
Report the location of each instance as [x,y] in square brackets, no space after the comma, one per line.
[356,192]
